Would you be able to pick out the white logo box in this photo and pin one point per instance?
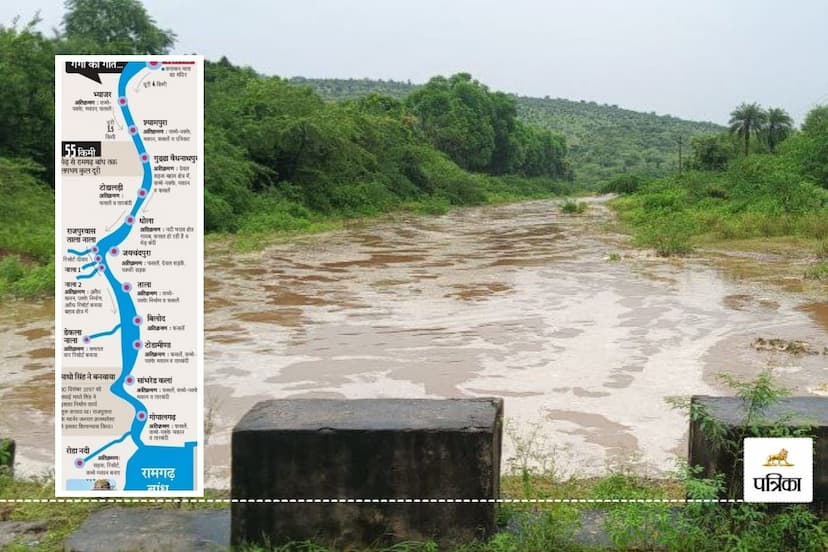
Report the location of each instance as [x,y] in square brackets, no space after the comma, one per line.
[770,478]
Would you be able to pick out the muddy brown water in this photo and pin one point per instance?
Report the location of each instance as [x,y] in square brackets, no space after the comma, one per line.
[518,301]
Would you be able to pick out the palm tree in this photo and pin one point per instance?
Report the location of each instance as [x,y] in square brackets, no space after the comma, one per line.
[747,119]
[779,126]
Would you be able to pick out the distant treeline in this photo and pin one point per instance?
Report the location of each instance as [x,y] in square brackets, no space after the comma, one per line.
[266,135]
[604,140]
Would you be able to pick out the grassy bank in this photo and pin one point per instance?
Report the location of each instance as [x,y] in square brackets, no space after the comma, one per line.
[776,193]
[26,231]
[755,200]
[64,518]
[522,526]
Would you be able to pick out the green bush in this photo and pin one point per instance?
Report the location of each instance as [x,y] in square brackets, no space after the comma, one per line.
[668,236]
[25,279]
[11,269]
[275,214]
[364,198]
[818,271]
[218,214]
[5,453]
[571,207]
[26,212]
[432,205]
[623,184]
[814,225]
[821,250]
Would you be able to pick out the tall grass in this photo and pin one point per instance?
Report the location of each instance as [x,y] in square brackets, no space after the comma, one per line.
[760,198]
[26,230]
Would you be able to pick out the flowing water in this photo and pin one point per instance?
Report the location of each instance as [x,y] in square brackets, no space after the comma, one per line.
[517,301]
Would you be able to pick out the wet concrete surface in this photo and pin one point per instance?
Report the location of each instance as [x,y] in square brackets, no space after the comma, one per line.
[518,301]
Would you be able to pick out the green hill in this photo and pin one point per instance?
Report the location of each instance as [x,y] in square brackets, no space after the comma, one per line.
[604,140]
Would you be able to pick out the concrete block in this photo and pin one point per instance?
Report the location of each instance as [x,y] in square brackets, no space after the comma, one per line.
[801,411]
[366,449]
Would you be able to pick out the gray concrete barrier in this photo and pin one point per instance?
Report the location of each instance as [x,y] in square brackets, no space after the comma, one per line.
[366,449]
[795,411]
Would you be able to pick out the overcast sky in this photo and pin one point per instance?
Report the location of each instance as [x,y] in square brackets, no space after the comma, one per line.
[695,59]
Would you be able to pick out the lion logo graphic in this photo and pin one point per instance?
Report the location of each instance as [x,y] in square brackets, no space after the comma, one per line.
[778,459]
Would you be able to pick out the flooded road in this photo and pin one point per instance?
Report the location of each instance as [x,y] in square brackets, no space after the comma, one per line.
[517,301]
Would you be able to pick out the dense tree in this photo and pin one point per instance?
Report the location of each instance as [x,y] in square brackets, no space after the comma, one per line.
[455,114]
[113,26]
[779,126]
[712,152]
[602,141]
[479,130]
[809,148]
[27,95]
[747,120]
[507,156]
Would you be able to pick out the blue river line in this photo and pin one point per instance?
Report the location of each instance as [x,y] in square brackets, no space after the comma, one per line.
[106,446]
[88,275]
[180,458]
[104,334]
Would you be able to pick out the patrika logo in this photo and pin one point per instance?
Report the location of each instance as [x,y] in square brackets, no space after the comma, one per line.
[783,476]
[778,459]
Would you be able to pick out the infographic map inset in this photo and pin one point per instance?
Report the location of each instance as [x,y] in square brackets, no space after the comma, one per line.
[129,276]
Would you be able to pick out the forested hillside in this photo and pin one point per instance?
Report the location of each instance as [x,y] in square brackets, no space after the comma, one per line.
[604,140]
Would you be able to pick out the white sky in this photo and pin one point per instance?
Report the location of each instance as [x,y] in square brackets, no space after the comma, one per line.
[693,58]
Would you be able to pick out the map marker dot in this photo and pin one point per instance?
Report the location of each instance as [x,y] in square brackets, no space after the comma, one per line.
[136,344]
[130,380]
[142,193]
[127,287]
[86,339]
[141,416]
[153,64]
[101,268]
[130,219]
[97,258]
[114,251]
[144,157]
[137,320]
[94,249]
[132,130]
[78,462]
[122,100]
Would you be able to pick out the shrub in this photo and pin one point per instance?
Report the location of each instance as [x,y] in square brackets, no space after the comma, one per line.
[668,236]
[572,207]
[821,250]
[818,271]
[218,214]
[363,198]
[623,184]
[274,213]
